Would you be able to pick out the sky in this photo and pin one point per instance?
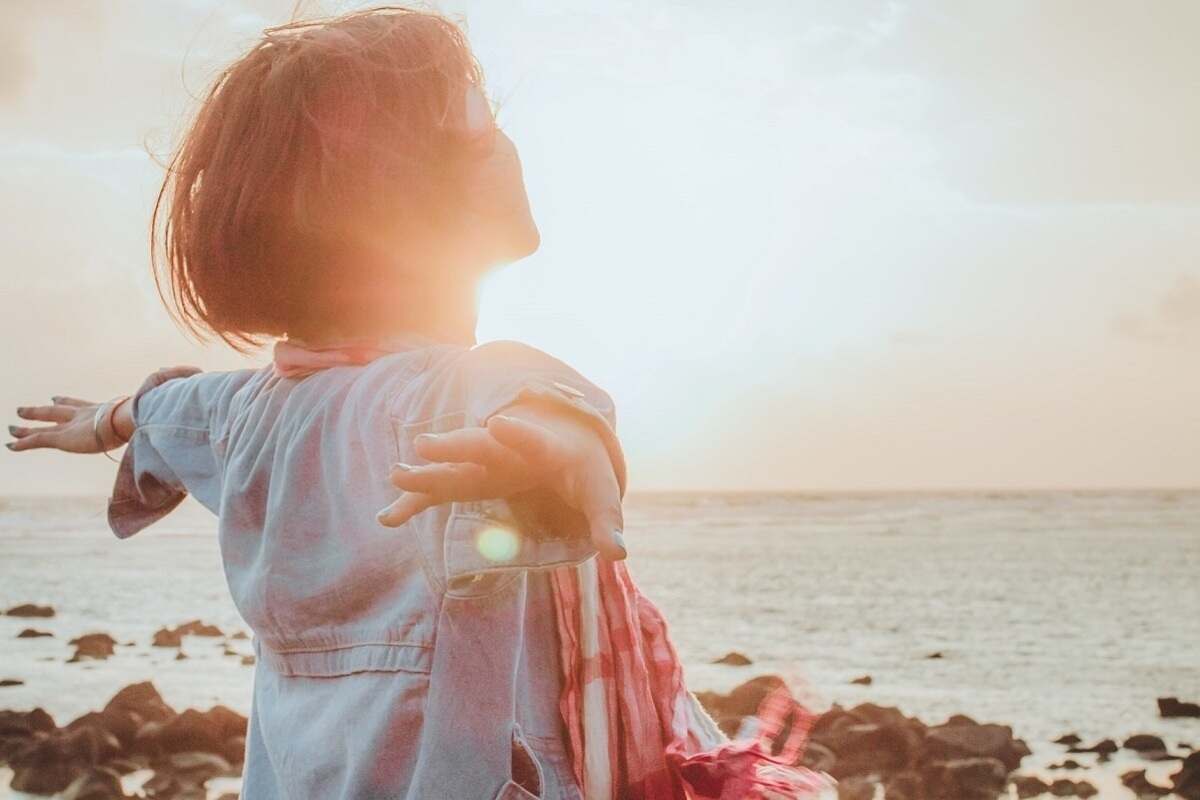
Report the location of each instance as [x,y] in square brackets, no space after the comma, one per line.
[804,245]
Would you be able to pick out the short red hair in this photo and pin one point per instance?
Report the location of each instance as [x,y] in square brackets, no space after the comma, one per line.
[329,141]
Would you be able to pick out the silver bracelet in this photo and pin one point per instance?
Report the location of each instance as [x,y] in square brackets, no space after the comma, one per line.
[100,414]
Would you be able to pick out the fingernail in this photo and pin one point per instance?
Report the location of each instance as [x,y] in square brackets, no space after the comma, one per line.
[619,538]
[12,429]
[10,445]
[55,399]
[427,436]
[382,515]
[400,465]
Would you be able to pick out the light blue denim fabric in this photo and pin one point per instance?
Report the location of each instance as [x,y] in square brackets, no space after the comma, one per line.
[392,663]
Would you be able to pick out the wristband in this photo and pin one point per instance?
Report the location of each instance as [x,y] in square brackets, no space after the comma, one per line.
[107,410]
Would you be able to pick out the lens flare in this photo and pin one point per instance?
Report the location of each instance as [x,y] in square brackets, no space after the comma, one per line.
[498,544]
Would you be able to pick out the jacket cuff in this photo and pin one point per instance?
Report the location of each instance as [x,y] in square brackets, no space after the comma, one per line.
[138,499]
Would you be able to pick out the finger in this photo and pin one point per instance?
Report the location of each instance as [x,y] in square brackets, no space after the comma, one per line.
[606,521]
[69,401]
[474,445]
[405,508]
[535,443]
[57,413]
[33,441]
[21,432]
[447,481]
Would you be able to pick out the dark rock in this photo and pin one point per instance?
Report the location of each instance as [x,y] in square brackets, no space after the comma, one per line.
[98,783]
[1143,741]
[864,748]
[947,742]
[145,742]
[18,727]
[1069,763]
[198,628]
[4,682]
[196,767]
[124,766]
[734,659]
[164,637]
[1173,707]
[165,786]
[93,645]
[1103,747]
[1030,786]
[248,661]
[938,654]
[966,779]
[49,763]
[1137,782]
[240,635]
[960,719]
[818,757]
[30,610]
[1063,787]
[863,680]
[1069,739]
[856,789]
[180,656]
[905,786]
[141,699]
[219,730]
[33,633]
[121,725]
[728,710]
[25,723]
[1186,782]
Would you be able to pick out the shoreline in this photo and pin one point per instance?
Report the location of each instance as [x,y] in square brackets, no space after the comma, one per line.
[135,738]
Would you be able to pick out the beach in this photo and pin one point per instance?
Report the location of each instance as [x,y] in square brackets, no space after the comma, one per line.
[1051,612]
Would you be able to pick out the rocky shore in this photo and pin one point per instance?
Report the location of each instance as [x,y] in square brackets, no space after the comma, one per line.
[135,731]
[137,740]
[869,748]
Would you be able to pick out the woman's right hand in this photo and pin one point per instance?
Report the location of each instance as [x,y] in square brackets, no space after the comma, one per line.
[70,429]
[72,420]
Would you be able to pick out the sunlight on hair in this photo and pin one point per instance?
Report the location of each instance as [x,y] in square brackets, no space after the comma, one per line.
[498,544]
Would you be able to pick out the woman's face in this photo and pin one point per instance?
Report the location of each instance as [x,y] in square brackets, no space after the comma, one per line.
[499,220]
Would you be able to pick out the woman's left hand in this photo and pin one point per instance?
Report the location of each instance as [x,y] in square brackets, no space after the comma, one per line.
[513,455]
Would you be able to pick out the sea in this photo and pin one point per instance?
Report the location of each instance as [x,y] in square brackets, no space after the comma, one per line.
[1052,612]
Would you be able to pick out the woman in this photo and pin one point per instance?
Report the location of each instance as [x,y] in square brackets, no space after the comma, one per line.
[342,190]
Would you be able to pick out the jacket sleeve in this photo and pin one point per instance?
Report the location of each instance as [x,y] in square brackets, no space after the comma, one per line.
[176,447]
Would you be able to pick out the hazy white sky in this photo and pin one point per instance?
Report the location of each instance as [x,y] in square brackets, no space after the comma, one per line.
[804,245]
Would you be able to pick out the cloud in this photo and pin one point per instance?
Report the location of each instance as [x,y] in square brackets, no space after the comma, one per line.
[1057,102]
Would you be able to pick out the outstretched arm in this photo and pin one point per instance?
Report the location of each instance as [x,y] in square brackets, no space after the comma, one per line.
[532,445]
[80,426]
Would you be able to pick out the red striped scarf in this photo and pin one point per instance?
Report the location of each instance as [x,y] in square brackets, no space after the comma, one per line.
[636,732]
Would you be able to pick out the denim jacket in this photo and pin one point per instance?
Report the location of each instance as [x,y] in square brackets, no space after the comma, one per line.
[412,662]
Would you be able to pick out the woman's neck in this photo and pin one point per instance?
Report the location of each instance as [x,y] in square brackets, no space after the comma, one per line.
[444,311]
